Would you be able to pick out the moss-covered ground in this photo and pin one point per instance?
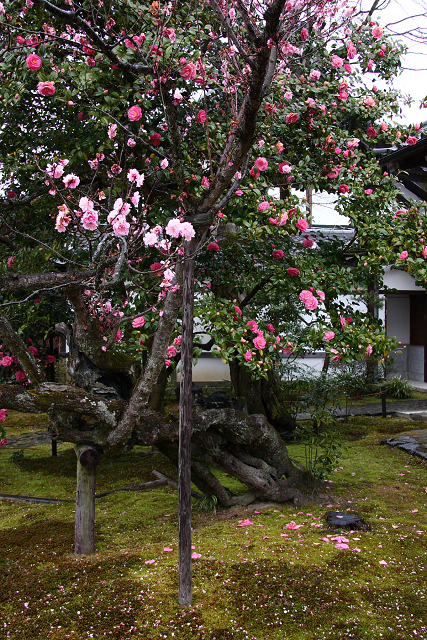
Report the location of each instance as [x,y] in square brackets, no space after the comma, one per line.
[261,580]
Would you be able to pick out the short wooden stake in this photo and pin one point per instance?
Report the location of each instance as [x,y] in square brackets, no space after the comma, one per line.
[88,459]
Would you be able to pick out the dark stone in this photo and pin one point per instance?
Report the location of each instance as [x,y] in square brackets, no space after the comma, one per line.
[218,400]
[346,521]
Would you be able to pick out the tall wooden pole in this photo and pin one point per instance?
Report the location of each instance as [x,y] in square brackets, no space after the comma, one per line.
[185,409]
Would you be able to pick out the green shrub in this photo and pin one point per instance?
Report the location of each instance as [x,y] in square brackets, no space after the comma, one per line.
[398,388]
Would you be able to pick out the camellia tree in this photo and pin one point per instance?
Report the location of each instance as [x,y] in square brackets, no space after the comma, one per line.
[135,135]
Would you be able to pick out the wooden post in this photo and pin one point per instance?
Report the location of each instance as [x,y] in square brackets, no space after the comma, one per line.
[383,403]
[185,409]
[88,459]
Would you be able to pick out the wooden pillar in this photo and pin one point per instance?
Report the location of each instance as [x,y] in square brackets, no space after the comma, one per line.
[185,409]
[88,459]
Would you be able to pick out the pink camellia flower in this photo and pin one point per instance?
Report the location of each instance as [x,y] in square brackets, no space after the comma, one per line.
[292,525]
[351,50]
[10,261]
[201,116]
[112,131]
[425,252]
[168,364]
[237,311]
[377,31]
[33,350]
[34,62]
[292,117]
[307,243]
[329,335]
[292,271]
[205,182]
[321,295]
[212,246]
[353,143]
[403,255]
[89,220]
[62,221]
[164,163]
[172,351]
[20,376]
[371,132]
[120,226]
[369,191]
[368,350]
[50,359]
[85,204]
[134,113]
[259,342]
[46,88]
[188,71]
[309,300]
[270,327]
[412,139]
[157,267]
[278,254]
[3,414]
[156,139]
[337,61]
[71,181]
[6,361]
[253,325]
[139,322]
[187,231]
[304,34]
[284,168]
[173,228]
[248,356]
[263,205]
[131,142]
[343,188]
[302,224]
[261,164]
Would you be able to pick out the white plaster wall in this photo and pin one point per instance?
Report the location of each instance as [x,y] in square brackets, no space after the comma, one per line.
[210,370]
[400,280]
[397,319]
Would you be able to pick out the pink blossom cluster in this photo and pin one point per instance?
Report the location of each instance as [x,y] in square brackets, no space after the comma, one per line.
[309,300]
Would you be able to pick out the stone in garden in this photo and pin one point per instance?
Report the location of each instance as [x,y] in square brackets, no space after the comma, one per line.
[346,521]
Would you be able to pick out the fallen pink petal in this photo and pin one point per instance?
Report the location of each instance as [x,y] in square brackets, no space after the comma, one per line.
[245,523]
[339,539]
[195,556]
[292,525]
[150,561]
[167,549]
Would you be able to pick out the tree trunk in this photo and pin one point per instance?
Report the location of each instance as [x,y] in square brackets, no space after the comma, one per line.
[264,397]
